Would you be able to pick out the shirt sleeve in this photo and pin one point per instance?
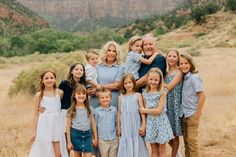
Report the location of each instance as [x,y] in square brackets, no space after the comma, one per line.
[119,73]
[197,84]
[89,73]
[61,86]
[135,57]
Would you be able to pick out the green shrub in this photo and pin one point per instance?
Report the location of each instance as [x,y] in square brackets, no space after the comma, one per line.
[231,5]
[193,51]
[160,31]
[212,8]
[199,34]
[198,14]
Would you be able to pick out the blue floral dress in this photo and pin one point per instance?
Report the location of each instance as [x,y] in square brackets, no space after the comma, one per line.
[158,129]
[174,108]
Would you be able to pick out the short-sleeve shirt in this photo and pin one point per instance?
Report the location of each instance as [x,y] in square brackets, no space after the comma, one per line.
[132,63]
[81,121]
[191,86]
[106,122]
[91,73]
[108,74]
[66,99]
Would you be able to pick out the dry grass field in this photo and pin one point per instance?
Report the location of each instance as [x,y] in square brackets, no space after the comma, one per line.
[218,122]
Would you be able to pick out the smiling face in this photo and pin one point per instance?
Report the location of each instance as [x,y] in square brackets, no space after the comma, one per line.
[111,54]
[49,80]
[149,46]
[184,65]
[77,71]
[93,60]
[80,97]
[153,80]
[172,58]
[128,85]
[137,46]
[104,98]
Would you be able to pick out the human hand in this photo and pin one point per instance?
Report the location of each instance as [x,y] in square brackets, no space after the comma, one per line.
[91,91]
[98,86]
[70,146]
[42,109]
[94,142]
[32,138]
[142,130]
[142,110]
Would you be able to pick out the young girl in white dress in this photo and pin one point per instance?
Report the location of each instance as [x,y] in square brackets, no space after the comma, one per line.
[48,139]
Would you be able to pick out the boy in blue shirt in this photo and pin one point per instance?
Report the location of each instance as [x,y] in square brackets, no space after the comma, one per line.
[105,117]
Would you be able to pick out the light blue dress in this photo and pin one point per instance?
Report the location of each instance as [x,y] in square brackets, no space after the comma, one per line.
[131,143]
[158,129]
[174,107]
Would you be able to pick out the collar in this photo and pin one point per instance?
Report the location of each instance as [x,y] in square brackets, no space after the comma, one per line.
[113,65]
[187,75]
[104,109]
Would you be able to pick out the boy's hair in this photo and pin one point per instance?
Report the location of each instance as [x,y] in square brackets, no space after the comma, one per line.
[103,90]
[125,76]
[72,110]
[133,40]
[189,59]
[160,87]
[89,53]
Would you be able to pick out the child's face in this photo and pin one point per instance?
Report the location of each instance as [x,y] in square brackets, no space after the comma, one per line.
[184,65]
[78,71]
[80,97]
[104,99]
[153,79]
[137,46]
[93,60]
[128,84]
[172,58]
[49,79]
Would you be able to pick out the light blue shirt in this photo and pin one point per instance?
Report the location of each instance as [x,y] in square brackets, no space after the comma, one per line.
[106,122]
[108,74]
[191,86]
[81,121]
[132,63]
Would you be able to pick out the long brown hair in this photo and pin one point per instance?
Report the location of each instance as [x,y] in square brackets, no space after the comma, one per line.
[70,78]
[41,84]
[72,110]
[125,76]
[160,87]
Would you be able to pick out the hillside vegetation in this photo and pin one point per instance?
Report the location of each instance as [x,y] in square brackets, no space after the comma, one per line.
[15,19]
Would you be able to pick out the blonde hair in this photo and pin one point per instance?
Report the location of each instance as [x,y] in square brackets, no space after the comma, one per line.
[160,87]
[72,110]
[89,54]
[125,76]
[189,59]
[104,90]
[105,49]
[133,40]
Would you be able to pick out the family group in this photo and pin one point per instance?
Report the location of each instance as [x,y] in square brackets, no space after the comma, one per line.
[110,109]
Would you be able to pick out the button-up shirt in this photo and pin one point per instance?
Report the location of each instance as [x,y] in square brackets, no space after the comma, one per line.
[106,122]
[191,86]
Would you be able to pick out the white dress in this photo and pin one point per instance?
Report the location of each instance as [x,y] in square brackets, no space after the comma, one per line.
[49,129]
